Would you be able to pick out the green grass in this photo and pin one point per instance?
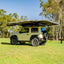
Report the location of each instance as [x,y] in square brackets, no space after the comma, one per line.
[51,53]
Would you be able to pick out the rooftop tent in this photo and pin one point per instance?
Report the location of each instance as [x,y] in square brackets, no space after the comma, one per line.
[32,22]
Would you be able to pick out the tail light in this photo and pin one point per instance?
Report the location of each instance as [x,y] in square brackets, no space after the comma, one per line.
[47,38]
[41,39]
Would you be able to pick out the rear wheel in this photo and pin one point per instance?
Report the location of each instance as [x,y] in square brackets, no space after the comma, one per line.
[14,41]
[45,38]
[43,42]
[35,41]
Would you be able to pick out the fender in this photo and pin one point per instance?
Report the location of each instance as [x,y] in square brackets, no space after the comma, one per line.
[33,36]
[13,36]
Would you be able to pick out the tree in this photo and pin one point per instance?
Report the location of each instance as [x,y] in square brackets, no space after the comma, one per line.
[4,19]
[2,12]
[25,18]
[53,10]
[22,18]
[15,15]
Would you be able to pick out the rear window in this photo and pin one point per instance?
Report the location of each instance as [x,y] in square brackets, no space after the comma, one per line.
[33,30]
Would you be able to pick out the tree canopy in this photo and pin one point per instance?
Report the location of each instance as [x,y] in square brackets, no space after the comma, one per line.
[54,10]
[51,9]
[4,19]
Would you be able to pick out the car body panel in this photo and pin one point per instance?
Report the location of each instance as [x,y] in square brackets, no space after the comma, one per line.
[27,36]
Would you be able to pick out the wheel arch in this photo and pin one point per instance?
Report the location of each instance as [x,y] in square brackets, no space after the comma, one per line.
[33,36]
[13,36]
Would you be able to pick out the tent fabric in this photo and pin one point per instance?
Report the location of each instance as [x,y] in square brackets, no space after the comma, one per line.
[44,22]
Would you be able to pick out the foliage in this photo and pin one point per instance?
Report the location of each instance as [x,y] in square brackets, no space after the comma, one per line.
[54,10]
[49,30]
[51,8]
[4,19]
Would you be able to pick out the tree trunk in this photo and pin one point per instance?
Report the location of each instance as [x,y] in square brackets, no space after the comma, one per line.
[60,21]
[53,32]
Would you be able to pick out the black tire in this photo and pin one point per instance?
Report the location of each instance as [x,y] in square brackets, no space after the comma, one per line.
[44,42]
[45,38]
[14,41]
[35,42]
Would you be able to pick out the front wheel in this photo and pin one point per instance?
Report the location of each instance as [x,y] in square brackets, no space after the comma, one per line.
[35,42]
[14,41]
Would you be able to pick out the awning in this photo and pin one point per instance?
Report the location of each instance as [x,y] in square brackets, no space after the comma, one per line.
[44,22]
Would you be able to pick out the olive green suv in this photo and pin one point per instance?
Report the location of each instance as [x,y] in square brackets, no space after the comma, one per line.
[34,35]
[31,32]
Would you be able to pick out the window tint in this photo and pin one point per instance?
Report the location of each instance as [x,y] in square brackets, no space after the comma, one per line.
[25,30]
[34,30]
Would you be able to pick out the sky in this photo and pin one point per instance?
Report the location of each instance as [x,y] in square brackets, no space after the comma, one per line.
[29,8]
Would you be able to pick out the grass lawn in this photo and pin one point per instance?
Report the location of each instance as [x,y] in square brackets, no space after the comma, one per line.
[51,53]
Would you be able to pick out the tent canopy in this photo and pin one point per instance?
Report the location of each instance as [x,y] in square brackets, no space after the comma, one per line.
[31,22]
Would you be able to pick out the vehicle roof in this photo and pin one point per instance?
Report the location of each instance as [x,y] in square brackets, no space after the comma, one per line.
[44,22]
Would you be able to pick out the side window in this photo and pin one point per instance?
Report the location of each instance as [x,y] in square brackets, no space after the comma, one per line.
[25,30]
[33,30]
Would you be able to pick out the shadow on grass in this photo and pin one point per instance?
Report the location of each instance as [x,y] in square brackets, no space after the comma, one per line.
[25,44]
[6,43]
